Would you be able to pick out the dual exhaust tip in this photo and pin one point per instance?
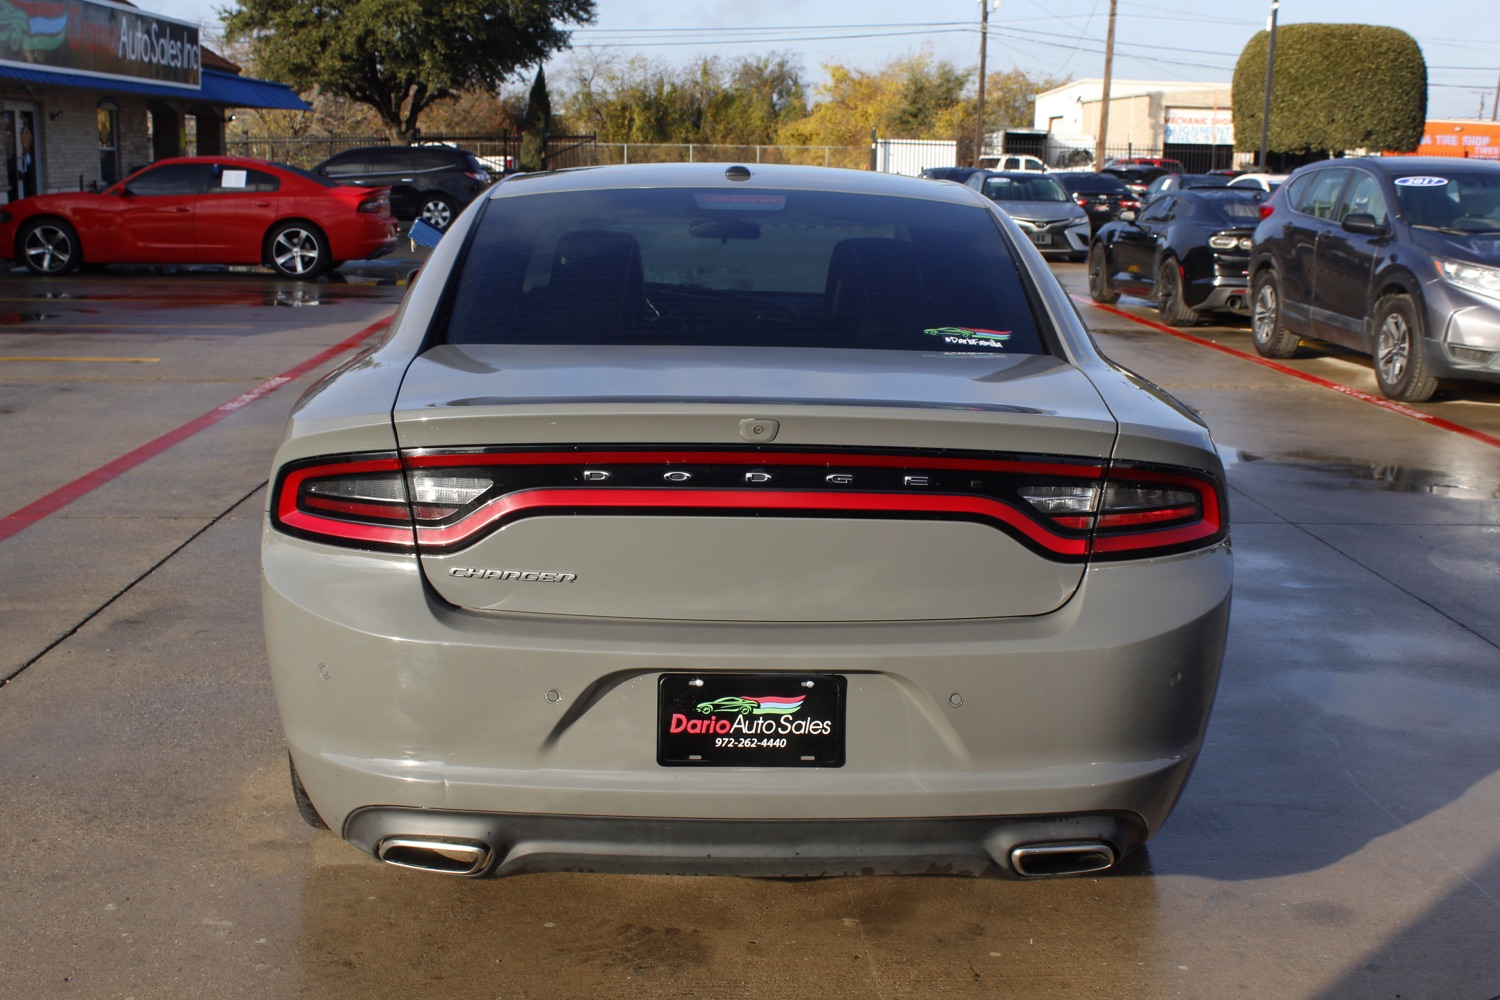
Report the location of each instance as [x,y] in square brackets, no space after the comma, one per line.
[468,858]
[432,854]
[1080,857]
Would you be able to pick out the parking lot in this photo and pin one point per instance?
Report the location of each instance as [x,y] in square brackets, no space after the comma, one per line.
[1338,839]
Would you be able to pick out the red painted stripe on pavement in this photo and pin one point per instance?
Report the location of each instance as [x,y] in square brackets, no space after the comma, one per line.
[59,498]
[1359,394]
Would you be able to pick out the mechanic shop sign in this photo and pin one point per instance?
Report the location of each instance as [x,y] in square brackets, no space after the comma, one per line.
[99,39]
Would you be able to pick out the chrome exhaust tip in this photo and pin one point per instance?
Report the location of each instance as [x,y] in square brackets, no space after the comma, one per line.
[431,854]
[1070,858]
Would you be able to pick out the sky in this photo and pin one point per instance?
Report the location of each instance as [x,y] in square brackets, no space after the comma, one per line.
[1189,40]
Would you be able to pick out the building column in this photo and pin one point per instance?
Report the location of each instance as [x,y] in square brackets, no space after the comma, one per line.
[166,131]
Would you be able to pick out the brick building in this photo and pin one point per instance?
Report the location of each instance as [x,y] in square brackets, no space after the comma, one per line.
[91,90]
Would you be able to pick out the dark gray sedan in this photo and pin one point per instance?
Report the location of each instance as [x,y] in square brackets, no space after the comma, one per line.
[708,518]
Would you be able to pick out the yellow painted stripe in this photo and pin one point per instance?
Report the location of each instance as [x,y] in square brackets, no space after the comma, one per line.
[129,360]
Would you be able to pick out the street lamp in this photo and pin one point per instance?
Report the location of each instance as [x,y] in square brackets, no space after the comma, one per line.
[1265,114]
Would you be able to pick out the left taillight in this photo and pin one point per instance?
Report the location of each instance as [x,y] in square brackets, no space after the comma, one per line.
[376,204]
[369,502]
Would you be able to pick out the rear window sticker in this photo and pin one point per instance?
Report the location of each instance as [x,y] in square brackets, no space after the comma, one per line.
[970,337]
[1423,182]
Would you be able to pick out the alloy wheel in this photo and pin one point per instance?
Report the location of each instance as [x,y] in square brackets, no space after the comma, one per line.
[1393,347]
[49,249]
[295,251]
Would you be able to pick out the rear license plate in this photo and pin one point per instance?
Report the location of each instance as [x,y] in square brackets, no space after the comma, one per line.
[1042,239]
[750,720]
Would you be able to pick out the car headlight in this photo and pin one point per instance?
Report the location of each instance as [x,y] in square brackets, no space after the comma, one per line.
[1079,223]
[1471,277]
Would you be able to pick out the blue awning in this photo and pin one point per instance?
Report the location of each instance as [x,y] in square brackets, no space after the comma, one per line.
[224,89]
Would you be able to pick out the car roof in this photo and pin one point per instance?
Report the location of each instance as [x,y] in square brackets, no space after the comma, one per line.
[1404,165]
[744,178]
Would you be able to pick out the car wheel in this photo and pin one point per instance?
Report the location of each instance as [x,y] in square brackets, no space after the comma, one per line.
[304,804]
[297,250]
[1099,289]
[437,211]
[50,246]
[1174,312]
[1400,367]
[1267,326]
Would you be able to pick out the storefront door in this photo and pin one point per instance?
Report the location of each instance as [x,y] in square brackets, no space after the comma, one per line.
[23,169]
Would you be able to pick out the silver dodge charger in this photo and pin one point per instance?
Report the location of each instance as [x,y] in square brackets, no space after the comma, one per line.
[713,519]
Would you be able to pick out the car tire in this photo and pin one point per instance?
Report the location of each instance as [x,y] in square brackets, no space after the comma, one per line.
[436,210]
[1400,366]
[308,811]
[297,250]
[1267,321]
[1174,312]
[1099,289]
[49,246]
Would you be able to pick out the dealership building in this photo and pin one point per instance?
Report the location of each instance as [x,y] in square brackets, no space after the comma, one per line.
[91,90]
[1190,122]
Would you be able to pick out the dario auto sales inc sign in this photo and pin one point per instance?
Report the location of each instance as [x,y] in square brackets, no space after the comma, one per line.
[99,39]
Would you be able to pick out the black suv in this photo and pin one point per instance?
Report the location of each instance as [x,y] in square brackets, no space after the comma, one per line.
[432,183]
[1396,257]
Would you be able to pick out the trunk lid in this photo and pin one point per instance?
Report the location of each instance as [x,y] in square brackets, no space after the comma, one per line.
[748,484]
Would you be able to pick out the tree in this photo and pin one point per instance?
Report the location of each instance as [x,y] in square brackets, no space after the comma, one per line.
[1335,87]
[916,97]
[536,125]
[401,56]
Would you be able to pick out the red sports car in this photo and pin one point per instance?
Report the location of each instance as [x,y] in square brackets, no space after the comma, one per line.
[202,210]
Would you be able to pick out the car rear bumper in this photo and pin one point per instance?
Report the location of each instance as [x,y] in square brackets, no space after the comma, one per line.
[391,698]
[1219,294]
[499,844]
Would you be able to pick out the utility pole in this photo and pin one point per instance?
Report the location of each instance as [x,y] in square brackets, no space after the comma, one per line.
[1109,68]
[984,38]
[1495,108]
[1265,112]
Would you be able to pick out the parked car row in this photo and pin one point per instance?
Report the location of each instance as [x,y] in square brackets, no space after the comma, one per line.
[1397,258]
[237,210]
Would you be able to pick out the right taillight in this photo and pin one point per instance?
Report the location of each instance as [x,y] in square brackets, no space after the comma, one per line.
[1266,208]
[1136,511]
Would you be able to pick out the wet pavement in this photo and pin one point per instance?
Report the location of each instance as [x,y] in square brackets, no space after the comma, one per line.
[1338,840]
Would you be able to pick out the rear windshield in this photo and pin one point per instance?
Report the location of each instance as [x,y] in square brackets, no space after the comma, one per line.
[1094,184]
[1236,206]
[742,268]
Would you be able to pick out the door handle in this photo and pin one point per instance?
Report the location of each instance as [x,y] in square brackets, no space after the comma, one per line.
[184,208]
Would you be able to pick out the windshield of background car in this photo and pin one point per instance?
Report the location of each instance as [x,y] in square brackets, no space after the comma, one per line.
[743,268]
[1024,189]
[1463,200]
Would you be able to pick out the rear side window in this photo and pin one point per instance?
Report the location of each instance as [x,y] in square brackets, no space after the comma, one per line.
[229,179]
[171,179]
[432,159]
[742,268]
